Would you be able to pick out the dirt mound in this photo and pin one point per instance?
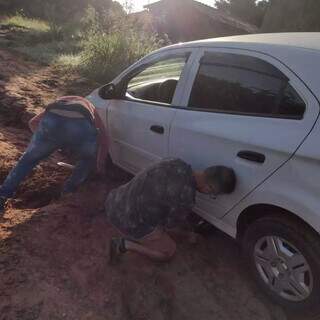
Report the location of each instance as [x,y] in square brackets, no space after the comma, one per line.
[19,90]
[54,253]
[25,88]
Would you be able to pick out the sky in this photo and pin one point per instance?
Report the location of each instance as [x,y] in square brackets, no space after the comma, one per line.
[138,4]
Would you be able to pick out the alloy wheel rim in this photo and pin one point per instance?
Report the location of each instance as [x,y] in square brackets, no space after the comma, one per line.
[283,268]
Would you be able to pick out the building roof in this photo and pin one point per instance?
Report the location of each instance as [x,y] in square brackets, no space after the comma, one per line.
[212,13]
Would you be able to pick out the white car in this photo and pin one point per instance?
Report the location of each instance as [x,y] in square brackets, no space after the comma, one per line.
[248,102]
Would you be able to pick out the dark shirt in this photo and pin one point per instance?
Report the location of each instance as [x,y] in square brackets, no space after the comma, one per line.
[162,193]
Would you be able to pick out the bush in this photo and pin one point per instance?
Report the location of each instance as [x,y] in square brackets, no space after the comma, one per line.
[106,55]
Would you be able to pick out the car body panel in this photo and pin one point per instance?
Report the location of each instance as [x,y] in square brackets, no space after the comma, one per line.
[294,187]
[133,145]
[209,138]
[291,180]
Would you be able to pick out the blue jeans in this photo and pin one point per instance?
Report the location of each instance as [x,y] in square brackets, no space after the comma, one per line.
[56,132]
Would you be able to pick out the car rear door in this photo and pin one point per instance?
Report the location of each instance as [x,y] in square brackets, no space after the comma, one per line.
[244,110]
[139,124]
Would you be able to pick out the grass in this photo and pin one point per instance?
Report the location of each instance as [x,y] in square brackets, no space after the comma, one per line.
[69,61]
[20,21]
[98,56]
[38,42]
[54,52]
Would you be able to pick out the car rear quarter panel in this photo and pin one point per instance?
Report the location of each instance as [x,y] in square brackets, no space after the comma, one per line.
[295,186]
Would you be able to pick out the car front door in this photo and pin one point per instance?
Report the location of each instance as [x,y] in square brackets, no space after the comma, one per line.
[139,123]
[243,110]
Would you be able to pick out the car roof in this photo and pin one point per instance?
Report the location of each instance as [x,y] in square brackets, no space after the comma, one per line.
[306,40]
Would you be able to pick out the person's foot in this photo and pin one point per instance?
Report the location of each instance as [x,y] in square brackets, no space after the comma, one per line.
[2,205]
[117,248]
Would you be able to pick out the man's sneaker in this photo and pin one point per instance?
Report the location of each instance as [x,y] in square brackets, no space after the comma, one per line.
[2,205]
[117,248]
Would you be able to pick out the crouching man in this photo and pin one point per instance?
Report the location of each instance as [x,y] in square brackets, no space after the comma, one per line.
[165,192]
[72,124]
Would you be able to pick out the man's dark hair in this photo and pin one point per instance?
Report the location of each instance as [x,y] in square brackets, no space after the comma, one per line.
[222,178]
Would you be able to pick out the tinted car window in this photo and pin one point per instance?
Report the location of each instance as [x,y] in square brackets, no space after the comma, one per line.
[243,84]
[158,82]
[291,103]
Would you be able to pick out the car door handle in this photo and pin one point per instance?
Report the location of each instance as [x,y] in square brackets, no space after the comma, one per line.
[157,129]
[252,156]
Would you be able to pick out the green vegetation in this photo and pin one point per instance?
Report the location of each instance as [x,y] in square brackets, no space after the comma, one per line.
[20,21]
[275,15]
[35,39]
[292,15]
[98,45]
[105,55]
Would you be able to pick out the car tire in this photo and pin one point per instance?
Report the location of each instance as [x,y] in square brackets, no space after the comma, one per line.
[283,255]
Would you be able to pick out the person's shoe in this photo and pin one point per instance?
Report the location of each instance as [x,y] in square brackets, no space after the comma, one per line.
[2,205]
[117,248]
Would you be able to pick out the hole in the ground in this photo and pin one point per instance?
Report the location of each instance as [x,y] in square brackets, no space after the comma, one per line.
[35,199]
[39,189]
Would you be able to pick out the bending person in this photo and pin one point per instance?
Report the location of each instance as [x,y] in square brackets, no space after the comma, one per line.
[143,208]
[70,123]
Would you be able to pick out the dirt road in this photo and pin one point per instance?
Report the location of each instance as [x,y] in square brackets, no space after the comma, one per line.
[53,253]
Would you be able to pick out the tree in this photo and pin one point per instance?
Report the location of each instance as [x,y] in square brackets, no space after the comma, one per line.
[128,5]
[60,10]
[292,15]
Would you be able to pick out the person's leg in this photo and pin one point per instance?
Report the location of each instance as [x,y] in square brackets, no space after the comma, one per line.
[157,246]
[86,153]
[153,254]
[39,148]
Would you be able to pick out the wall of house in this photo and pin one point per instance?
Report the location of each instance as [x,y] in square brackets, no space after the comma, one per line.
[185,23]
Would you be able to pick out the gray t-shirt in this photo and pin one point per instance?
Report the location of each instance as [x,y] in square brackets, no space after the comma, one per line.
[162,193]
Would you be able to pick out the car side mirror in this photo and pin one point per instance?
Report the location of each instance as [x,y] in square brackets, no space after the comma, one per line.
[109,92]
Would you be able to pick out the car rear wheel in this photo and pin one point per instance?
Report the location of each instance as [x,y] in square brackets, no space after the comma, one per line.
[283,256]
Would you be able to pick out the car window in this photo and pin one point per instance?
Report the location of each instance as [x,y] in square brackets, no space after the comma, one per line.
[291,103]
[245,85]
[158,81]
